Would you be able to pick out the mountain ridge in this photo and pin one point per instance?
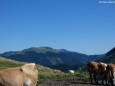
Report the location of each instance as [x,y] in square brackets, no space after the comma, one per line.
[50,57]
[109,57]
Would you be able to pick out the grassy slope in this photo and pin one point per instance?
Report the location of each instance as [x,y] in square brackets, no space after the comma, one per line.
[109,59]
[7,63]
[45,73]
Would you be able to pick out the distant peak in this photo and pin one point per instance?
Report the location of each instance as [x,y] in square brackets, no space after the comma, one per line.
[31,48]
[112,51]
[46,47]
[63,50]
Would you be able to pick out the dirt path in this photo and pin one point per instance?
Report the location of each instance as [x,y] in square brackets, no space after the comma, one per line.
[67,82]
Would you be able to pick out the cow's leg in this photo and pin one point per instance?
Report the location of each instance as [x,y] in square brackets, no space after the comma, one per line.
[106,79]
[102,78]
[95,78]
[111,81]
[91,78]
[113,78]
[102,81]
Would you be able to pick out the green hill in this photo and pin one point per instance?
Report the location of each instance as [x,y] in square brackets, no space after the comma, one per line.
[7,63]
[110,57]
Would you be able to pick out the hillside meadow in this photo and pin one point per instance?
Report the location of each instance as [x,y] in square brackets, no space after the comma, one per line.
[45,73]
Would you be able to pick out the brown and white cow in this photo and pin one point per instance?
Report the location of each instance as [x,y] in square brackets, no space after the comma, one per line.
[26,75]
[102,71]
[93,71]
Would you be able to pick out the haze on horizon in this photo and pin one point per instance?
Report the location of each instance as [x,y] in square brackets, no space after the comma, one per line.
[82,26]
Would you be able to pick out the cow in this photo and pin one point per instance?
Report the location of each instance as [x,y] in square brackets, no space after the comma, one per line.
[56,71]
[111,74]
[26,75]
[103,72]
[71,71]
[93,71]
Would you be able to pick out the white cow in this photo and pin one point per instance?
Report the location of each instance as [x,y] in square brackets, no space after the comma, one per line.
[71,71]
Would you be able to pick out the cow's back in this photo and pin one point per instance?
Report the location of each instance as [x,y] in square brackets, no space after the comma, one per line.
[92,66]
[25,75]
[11,77]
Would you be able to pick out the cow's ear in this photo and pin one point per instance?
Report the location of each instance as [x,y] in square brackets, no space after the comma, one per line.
[21,69]
[25,68]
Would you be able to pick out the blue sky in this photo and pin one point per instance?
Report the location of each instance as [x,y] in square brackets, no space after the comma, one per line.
[84,26]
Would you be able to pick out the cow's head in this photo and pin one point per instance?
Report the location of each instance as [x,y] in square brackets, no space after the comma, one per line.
[29,67]
[29,70]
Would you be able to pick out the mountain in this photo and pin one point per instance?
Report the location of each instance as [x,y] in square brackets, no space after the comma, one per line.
[110,57]
[50,57]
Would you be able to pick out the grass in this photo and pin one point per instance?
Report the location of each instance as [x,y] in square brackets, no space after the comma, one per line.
[45,73]
[6,63]
[42,77]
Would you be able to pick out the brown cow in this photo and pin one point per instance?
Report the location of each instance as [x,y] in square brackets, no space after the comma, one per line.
[25,75]
[111,74]
[93,71]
